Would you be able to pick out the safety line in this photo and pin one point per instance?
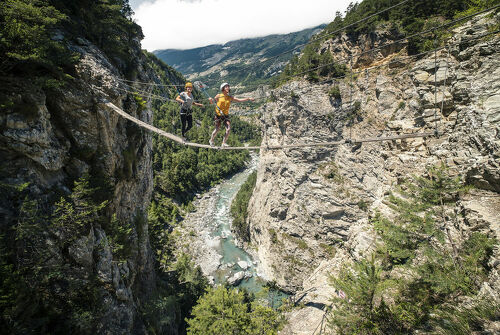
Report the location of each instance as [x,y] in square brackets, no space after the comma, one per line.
[302,45]
[268,147]
[371,68]
[402,40]
[334,32]
[151,84]
[397,41]
[404,58]
[365,52]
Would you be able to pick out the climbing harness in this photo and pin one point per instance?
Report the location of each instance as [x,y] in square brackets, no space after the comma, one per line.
[201,86]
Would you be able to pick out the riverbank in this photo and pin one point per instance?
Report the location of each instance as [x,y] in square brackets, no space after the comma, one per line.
[206,234]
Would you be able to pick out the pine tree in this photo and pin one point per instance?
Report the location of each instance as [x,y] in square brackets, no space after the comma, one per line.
[424,271]
[231,311]
[359,305]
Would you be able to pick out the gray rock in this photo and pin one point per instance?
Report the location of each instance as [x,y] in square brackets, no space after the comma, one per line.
[236,279]
[82,250]
[243,265]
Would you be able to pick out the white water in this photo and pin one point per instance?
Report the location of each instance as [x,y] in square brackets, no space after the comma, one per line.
[217,252]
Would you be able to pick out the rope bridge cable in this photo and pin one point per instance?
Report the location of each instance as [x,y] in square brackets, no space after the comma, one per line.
[273,58]
[400,59]
[401,40]
[406,38]
[269,147]
[366,140]
[375,139]
[364,52]
[151,84]
[334,32]
[396,42]
[396,60]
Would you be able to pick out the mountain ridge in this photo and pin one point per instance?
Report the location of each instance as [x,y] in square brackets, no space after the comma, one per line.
[233,61]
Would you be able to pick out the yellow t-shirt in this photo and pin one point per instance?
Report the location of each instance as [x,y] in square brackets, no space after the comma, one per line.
[224,102]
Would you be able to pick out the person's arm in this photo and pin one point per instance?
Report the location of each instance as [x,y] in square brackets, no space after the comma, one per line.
[212,100]
[242,100]
[198,104]
[179,99]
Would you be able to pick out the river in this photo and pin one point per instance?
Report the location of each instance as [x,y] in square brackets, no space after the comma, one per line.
[211,242]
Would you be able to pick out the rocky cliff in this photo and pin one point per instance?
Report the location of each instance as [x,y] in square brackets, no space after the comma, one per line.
[310,210]
[50,138]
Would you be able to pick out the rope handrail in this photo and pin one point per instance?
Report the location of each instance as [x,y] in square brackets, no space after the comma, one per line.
[370,68]
[179,140]
[401,40]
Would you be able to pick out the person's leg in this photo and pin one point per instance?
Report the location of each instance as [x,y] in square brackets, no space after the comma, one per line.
[227,124]
[214,133]
[189,122]
[183,125]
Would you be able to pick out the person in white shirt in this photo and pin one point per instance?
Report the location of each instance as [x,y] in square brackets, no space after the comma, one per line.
[186,100]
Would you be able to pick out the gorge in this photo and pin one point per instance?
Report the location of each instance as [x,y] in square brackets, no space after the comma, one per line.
[104,224]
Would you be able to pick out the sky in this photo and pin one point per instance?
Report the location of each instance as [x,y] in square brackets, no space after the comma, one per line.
[187,24]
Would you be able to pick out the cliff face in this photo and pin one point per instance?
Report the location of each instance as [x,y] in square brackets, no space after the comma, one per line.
[309,213]
[50,140]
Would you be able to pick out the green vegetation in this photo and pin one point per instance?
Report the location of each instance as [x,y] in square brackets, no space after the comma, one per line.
[328,249]
[363,205]
[179,173]
[273,235]
[311,65]
[242,69]
[33,273]
[232,311]
[334,92]
[35,35]
[26,44]
[300,243]
[333,172]
[408,19]
[420,274]
[175,297]
[239,208]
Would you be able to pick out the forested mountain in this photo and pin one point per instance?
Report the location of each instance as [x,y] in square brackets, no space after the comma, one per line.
[235,61]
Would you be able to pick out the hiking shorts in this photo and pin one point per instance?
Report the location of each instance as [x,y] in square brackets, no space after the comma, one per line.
[223,119]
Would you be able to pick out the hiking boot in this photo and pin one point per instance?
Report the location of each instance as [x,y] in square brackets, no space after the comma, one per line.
[224,145]
[211,143]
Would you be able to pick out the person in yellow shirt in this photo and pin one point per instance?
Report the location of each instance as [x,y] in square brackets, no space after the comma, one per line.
[223,101]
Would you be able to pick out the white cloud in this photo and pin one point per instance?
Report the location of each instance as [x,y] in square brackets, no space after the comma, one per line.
[184,24]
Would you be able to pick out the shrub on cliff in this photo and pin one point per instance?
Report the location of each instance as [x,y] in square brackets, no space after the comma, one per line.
[239,208]
[27,38]
[44,290]
[422,271]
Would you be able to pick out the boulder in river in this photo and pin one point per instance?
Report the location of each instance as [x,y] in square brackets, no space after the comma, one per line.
[243,265]
[236,278]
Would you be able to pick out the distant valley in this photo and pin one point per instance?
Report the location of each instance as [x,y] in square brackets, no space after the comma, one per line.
[246,62]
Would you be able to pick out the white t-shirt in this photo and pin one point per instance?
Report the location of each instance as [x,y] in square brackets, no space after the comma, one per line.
[188,100]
